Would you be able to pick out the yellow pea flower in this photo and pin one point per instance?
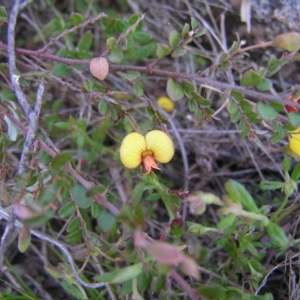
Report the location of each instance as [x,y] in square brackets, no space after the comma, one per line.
[166,104]
[137,149]
[294,143]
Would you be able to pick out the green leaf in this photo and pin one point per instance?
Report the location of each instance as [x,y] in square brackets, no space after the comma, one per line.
[154,197]
[138,90]
[266,111]
[106,220]
[192,105]
[115,56]
[88,85]
[121,25]
[174,38]
[286,164]
[137,193]
[194,23]
[8,94]
[74,237]
[60,70]
[85,42]
[178,52]
[95,210]
[142,37]
[76,19]
[62,125]
[98,189]
[128,273]
[212,291]
[237,95]
[296,172]
[266,185]
[185,30]
[3,15]
[294,118]
[234,118]
[265,85]
[187,85]
[110,43]
[119,96]
[277,236]
[60,159]
[232,107]
[251,78]
[24,239]
[66,210]
[235,46]
[73,225]
[288,41]
[227,221]
[72,289]
[174,90]
[239,194]
[272,61]
[78,193]
[103,107]
[162,50]
[225,65]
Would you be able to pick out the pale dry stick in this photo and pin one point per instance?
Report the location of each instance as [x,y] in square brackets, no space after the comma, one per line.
[33,124]
[267,153]
[31,21]
[67,31]
[24,3]
[213,19]
[11,278]
[253,159]
[282,264]
[100,271]
[61,247]
[10,226]
[116,177]
[183,155]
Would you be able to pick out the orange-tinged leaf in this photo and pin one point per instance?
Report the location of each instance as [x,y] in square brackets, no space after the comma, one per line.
[165,253]
[24,239]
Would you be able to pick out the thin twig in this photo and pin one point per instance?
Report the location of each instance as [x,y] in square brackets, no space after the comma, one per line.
[62,248]
[183,155]
[222,86]
[24,3]
[33,124]
[10,226]
[12,58]
[67,31]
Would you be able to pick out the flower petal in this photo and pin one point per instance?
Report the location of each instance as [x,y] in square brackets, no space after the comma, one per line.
[131,150]
[166,103]
[161,145]
[294,145]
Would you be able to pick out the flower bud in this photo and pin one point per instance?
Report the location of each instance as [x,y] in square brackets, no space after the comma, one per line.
[99,67]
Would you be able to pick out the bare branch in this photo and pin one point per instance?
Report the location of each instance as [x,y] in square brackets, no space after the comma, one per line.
[12,58]
[61,247]
[33,124]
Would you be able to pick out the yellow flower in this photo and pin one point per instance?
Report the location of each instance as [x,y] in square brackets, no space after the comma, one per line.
[294,143]
[137,149]
[166,104]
